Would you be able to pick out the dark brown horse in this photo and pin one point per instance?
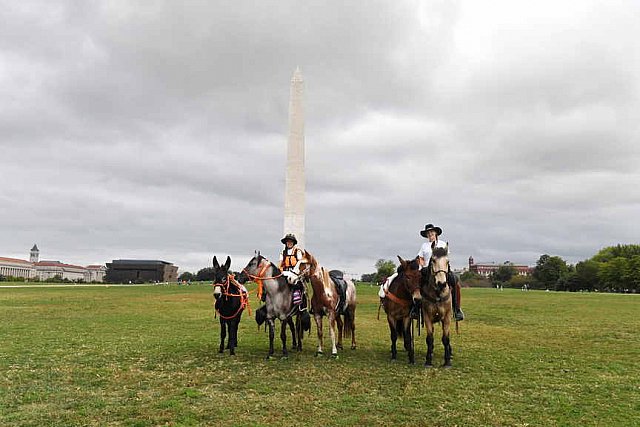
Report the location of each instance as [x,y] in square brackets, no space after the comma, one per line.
[230,300]
[436,303]
[403,293]
[324,302]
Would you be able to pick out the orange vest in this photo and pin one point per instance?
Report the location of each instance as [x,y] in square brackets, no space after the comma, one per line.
[289,261]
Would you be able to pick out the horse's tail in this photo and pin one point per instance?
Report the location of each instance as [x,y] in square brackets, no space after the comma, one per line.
[348,323]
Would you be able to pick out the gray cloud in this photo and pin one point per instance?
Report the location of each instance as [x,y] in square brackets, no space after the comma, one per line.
[138,130]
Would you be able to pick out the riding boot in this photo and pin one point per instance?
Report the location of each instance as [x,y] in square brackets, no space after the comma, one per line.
[455,296]
[455,302]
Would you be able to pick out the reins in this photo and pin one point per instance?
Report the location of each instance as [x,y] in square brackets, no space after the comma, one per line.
[259,279]
[244,296]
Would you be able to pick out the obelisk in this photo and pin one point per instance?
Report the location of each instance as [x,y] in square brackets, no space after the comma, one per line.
[295,181]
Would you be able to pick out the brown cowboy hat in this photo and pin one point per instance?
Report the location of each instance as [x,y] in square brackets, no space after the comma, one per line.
[291,237]
[430,227]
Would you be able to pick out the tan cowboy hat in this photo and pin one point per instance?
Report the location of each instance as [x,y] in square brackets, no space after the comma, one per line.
[291,237]
[430,227]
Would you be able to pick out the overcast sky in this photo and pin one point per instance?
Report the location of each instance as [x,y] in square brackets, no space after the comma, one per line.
[158,130]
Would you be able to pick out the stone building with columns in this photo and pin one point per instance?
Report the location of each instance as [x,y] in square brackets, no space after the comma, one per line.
[46,270]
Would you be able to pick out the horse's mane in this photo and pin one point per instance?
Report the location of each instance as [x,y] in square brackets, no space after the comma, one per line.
[413,265]
[313,262]
[440,252]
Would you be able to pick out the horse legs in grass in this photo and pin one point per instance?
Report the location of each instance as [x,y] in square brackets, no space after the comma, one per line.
[233,335]
[340,325]
[334,332]
[283,337]
[408,340]
[429,327]
[223,334]
[271,337]
[318,319]
[293,328]
[446,342]
[394,338]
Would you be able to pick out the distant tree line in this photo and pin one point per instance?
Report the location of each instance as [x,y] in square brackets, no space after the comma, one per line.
[612,269]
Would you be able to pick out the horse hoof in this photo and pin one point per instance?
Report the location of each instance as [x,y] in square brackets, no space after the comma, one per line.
[334,356]
[353,347]
[319,353]
[339,347]
[428,365]
[220,351]
[269,357]
[284,358]
[447,366]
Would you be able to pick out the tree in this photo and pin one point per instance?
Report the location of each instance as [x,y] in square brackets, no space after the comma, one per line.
[384,269]
[371,277]
[205,274]
[587,275]
[186,277]
[548,270]
[503,274]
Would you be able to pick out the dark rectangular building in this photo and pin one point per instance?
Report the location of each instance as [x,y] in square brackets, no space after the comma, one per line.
[140,271]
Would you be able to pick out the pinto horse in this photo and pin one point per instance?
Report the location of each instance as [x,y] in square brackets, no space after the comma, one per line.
[278,303]
[231,299]
[436,303]
[403,292]
[325,302]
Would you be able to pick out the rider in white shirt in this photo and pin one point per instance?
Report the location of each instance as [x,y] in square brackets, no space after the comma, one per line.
[431,233]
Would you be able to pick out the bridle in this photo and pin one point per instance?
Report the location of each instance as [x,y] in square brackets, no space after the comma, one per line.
[244,298]
[437,289]
[259,278]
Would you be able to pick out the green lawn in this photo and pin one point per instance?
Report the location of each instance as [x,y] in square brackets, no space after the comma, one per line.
[146,356]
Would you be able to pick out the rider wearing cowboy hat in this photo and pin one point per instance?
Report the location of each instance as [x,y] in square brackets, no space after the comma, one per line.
[431,233]
[289,258]
[291,254]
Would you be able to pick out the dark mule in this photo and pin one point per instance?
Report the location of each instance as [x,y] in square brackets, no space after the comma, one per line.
[278,303]
[436,303]
[231,299]
[325,300]
[402,295]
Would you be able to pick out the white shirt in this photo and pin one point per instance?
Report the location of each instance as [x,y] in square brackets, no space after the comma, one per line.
[426,251]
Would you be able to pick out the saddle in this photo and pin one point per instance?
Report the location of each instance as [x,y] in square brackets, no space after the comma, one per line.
[337,277]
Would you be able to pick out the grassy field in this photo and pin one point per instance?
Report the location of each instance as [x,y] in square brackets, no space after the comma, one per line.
[147,356]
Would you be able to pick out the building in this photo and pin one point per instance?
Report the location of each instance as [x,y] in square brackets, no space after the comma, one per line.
[47,270]
[140,271]
[485,269]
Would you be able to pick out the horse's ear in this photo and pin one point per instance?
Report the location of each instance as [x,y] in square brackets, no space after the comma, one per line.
[402,262]
[228,263]
[215,263]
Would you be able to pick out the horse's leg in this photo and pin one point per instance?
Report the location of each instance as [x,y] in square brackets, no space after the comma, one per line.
[292,327]
[283,337]
[271,336]
[340,325]
[408,339]
[394,338]
[318,317]
[352,320]
[233,335]
[446,341]
[223,334]
[429,327]
[333,331]
[299,331]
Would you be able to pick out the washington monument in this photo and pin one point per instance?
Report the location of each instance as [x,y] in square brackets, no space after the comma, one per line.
[295,181]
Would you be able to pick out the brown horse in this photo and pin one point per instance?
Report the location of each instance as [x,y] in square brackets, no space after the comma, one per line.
[403,292]
[325,301]
[436,303]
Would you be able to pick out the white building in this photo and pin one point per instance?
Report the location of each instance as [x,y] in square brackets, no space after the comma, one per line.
[46,270]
